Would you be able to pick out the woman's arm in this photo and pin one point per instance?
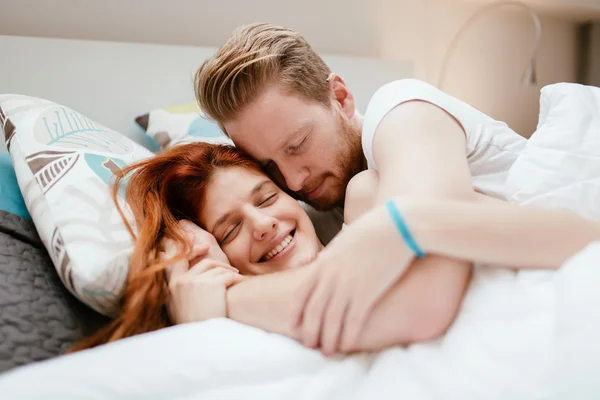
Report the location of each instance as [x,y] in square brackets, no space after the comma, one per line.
[267,302]
[497,232]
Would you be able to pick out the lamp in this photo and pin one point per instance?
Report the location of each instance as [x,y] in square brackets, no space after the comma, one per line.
[530,75]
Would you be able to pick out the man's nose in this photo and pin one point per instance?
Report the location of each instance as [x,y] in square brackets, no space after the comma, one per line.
[295,178]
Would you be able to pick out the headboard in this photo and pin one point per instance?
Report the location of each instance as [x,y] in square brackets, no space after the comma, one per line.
[113,82]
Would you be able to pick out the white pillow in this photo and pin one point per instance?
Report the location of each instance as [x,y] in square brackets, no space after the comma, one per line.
[64,164]
[560,164]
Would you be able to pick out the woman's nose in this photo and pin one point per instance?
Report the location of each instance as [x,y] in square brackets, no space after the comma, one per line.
[264,226]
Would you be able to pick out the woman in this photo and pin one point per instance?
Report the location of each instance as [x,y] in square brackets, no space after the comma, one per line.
[264,232]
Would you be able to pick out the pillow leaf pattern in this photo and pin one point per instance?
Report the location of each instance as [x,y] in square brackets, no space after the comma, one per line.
[63,127]
[49,166]
[106,167]
[61,259]
[8,127]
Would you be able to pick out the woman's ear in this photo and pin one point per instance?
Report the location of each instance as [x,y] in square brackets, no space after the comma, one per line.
[340,93]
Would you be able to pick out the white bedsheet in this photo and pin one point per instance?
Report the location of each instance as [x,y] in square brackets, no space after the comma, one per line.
[499,348]
[519,335]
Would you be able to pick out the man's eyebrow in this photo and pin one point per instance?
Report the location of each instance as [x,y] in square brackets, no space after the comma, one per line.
[255,190]
[293,135]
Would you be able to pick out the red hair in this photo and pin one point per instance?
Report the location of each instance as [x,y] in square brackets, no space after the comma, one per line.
[161,191]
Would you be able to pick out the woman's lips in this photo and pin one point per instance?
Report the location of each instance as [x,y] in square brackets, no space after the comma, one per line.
[287,249]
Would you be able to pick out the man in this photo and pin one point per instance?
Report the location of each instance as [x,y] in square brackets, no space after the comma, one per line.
[277,100]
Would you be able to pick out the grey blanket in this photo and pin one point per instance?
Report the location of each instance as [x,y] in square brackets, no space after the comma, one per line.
[39,318]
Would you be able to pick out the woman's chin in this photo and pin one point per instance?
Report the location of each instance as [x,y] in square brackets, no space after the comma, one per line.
[301,260]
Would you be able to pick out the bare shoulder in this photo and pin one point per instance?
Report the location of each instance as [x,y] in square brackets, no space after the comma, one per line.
[360,194]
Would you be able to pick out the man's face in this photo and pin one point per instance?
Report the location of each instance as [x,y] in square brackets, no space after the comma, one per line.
[311,150]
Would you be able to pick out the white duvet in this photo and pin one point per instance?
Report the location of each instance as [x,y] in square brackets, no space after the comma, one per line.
[519,335]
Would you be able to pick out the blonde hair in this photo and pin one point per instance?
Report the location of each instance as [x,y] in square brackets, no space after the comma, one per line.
[254,57]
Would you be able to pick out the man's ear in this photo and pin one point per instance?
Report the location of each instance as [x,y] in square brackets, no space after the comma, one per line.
[340,93]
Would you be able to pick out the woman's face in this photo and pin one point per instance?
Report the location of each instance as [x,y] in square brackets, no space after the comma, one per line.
[259,227]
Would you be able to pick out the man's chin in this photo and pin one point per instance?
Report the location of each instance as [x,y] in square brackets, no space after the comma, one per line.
[321,204]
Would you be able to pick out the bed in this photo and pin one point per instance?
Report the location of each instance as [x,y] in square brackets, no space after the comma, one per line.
[519,335]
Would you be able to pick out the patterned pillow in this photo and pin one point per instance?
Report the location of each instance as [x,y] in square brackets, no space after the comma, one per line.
[64,163]
[183,123]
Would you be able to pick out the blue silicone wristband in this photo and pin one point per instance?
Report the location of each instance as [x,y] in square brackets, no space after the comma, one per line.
[403,229]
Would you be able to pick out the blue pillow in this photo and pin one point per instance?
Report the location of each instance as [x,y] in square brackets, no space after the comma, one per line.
[11,199]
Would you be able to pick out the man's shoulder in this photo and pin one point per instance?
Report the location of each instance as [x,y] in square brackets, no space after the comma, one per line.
[403,91]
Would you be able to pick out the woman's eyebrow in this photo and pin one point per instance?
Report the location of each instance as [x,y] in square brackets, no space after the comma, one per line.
[259,186]
[227,215]
[221,220]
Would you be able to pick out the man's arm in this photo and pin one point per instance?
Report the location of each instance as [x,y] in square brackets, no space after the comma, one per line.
[420,151]
[425,300]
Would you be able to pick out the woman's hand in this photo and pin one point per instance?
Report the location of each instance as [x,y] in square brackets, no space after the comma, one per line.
[197,283]
[199,236]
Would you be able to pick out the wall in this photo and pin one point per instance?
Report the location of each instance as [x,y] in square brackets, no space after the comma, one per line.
[593,56]
[485,71]
[488,64]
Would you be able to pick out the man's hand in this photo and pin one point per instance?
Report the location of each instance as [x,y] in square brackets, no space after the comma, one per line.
[346,282]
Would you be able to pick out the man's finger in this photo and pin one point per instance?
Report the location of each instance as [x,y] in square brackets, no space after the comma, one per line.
[314,313]
[301,297]
[333,325]
[356,317]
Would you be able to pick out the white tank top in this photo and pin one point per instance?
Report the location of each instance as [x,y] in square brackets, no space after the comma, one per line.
[491,146]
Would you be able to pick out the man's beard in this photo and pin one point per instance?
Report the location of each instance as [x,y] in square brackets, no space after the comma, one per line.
[350,160]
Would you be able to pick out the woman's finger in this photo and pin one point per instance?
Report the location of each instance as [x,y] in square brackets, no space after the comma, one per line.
[188,225]
[228,278]
[208,264]
[199,250]
[170,250]
[169,247]
[190,237]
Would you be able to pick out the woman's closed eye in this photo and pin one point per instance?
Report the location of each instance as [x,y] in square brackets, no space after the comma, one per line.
[268,200]
[231,233]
